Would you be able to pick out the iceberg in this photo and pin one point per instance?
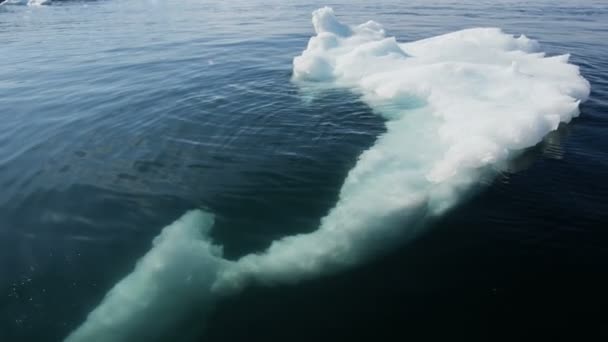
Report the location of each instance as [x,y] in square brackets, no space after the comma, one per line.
[458,107]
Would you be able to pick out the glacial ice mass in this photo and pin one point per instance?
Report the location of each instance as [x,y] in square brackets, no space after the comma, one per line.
[458,107]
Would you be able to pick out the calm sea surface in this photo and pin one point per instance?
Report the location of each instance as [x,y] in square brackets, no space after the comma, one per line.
[118,116]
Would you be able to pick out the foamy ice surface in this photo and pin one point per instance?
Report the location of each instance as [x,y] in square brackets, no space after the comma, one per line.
[457,108]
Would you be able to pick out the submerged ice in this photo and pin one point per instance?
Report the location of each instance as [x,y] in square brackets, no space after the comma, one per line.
[171,281]
[457,108]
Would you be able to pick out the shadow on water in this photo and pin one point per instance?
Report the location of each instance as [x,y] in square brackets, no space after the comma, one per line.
[456,282]
[461,280]
[549,147]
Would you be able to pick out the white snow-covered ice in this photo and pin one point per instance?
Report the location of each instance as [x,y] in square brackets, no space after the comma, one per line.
[458,107]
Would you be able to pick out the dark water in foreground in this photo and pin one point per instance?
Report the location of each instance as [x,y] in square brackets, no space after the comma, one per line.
[118,116]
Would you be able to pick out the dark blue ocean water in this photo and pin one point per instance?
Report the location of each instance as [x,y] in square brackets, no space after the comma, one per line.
[118,116]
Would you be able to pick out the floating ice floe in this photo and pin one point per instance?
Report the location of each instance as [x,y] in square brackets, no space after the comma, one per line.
[457,108]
